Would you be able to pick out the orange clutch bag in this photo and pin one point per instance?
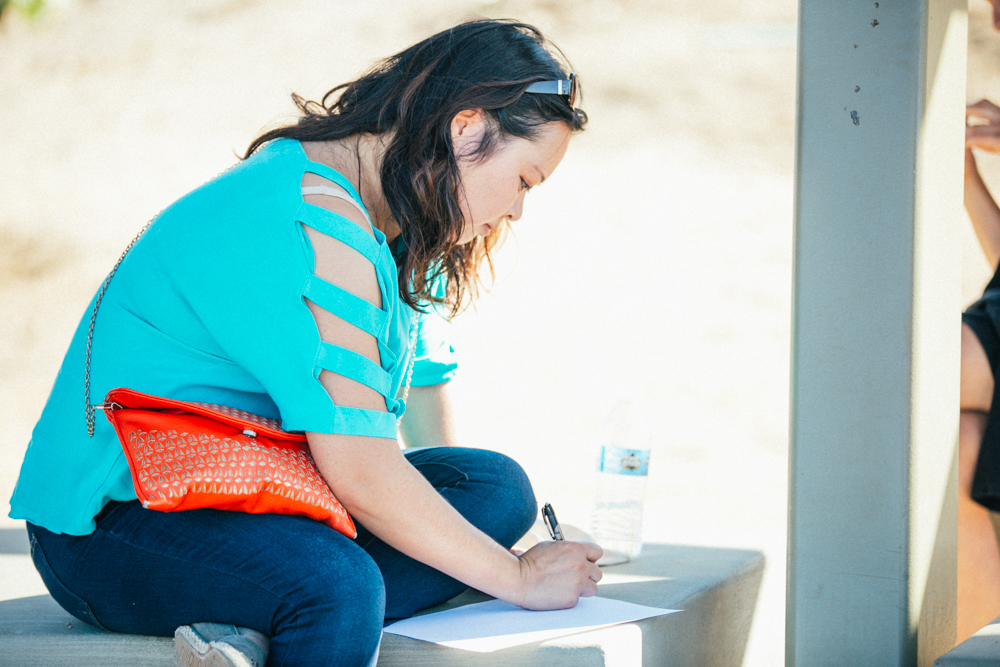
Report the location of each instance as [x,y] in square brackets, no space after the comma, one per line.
[186,455]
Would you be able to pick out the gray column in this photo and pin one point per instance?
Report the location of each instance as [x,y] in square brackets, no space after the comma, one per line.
[875,343]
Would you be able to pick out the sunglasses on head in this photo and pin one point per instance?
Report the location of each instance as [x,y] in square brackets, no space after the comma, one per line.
[566,87]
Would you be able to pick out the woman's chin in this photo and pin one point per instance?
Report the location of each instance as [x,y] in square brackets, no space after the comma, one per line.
[480,231]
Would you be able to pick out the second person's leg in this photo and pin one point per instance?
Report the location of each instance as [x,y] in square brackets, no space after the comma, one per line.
[978,551]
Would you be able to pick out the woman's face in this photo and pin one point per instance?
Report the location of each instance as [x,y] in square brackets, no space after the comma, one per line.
[493,189]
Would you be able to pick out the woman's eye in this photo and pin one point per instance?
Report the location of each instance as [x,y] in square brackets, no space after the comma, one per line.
[525,186]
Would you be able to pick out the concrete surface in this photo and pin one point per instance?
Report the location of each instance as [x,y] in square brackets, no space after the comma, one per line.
[716,588]
[980,650]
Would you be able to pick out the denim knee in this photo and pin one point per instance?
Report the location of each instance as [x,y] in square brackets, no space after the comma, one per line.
[516,497]
[336,614]
[528,505]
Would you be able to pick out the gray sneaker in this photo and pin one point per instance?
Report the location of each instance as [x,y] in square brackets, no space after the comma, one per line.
[219,645]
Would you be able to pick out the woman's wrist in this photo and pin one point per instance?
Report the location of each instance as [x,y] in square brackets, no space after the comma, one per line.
[509,579]
[975,187]
[971,168]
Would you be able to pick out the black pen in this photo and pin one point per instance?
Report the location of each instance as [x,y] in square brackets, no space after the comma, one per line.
[549,516]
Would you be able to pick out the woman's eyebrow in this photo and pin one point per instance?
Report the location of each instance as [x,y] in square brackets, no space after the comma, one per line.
[539,172]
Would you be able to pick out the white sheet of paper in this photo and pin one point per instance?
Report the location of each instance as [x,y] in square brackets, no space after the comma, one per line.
[489,626]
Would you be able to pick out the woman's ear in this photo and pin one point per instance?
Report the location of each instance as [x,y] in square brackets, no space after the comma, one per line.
[467,129]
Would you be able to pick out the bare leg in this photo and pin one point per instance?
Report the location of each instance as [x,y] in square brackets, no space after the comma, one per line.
[978,550]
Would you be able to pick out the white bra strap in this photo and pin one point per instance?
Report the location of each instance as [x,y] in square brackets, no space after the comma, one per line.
[335,192]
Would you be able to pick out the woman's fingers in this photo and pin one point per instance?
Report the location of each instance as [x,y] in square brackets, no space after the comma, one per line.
[983,110]
[592,551]
[985,137]
[982,128]
[557,574]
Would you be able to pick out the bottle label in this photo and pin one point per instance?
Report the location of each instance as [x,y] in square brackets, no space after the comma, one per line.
[622,461]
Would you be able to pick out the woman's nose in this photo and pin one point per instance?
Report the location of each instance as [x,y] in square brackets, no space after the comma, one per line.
[514,214]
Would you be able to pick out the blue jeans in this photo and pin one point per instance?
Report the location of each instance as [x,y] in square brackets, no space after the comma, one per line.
[321,597]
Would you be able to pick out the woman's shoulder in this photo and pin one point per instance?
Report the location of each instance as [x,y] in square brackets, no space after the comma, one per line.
[233,233]
[262,187]
[273,168]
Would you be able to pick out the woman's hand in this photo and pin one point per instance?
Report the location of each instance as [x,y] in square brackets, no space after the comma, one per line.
[982,131]
[555,575]
[982,126]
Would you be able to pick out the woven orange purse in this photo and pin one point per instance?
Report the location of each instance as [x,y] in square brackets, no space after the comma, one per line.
[185,455]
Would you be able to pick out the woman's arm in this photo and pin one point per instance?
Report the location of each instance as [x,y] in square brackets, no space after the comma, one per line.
[982,209]
[387,495]
[383,492]
[429,417]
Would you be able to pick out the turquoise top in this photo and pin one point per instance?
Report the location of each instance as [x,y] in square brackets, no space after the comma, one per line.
[209,306]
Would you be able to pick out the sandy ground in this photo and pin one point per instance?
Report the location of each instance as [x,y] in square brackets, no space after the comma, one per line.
[656,263]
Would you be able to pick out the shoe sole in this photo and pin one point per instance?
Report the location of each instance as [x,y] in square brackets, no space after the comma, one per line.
[191,651]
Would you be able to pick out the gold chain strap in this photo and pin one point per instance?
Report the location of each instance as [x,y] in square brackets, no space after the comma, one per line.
[90,331]
[93,319]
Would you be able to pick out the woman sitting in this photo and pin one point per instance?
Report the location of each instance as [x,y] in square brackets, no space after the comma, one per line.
[293,286]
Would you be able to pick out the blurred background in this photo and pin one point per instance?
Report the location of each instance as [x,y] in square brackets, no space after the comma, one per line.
[655,265]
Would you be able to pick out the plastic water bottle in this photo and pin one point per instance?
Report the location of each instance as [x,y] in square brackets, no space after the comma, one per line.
[622,467]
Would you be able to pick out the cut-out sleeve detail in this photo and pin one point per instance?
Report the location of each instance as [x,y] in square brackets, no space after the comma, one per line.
[345,305]
[356,360]
[337,226]
[338,193]
[353,366]
[358,421]
[331,174]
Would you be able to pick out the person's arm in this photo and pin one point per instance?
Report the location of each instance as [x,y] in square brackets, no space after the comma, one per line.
[387,495]
[983,133]
[383,492]
[429,418]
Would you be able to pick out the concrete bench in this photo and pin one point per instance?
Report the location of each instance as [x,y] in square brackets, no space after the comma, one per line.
[980,650]
[716,588]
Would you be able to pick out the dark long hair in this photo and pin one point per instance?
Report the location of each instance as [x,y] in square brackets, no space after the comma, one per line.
[412,97]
